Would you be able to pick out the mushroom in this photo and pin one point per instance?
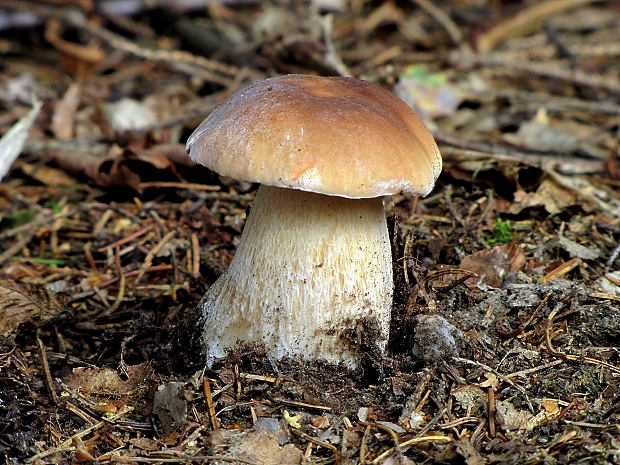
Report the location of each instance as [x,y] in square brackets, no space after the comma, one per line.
[313,266]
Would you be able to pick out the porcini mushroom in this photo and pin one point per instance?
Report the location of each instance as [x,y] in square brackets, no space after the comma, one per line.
[313,264]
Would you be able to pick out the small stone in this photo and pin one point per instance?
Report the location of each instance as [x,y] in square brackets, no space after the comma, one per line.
[435,339]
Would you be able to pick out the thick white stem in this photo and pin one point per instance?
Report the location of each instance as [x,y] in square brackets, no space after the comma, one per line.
[310,270]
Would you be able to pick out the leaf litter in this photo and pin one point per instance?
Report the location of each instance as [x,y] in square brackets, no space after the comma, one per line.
[505,334]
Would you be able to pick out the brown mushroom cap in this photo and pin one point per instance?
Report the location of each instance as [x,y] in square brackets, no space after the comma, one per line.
[329,135]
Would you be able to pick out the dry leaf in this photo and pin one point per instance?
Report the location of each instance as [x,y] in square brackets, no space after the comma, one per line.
[492,265]
[170,405]
[22,303]
[471,398]
[510,417]
[13,140]
[576,250]
[491,381]
[549,195]
[47,175]
[64,113]
[540,136]
[120,167]
[321,422]
[468,451]
[551,407]
[253,446]
[146,444]
[105,382]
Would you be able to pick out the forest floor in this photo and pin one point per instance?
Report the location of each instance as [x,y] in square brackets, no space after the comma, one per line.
[505,339]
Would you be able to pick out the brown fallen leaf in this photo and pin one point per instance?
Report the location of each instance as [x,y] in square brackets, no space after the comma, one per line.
[63,118]
[170,405]
[27,303]
[119,167]
[550,195]
[253,446]
[47,175]
[94,383]
[492,265]
[469,453]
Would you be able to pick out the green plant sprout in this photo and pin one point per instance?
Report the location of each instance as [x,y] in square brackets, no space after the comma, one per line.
[503,233]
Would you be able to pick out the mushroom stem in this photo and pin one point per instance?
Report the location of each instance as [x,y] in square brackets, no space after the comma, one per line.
[310,271]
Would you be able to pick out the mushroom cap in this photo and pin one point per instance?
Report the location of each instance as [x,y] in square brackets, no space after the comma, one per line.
[330,135]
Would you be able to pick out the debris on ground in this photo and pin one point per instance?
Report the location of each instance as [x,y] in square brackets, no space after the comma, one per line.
[505,333]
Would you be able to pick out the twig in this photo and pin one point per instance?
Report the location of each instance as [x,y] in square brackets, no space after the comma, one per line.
[206,392]
[148,261]
[612,257]
[547,325]
[460,421]
[364,445]
[420,406]
[590,425]
[594,361]
[179,459]
[573,403]
[549,101]
[576,77]
[491,411]
[65,446]
[562,48]
[492,148]
[477,434]
[529,371]
[19,245]
[408,443]
[392,433]
[42,219]
[499,375]
[77,19]
[48,452]
[80,413]
[562,269]
[525,22]
[29,230]
[251,377]
[443,19]
[307,437]
[303,404]
[332,58]
[195,255]
[46,371]
[522,327]
[121,290]
[431,423]
[564,164]
[179,185]
[126,239]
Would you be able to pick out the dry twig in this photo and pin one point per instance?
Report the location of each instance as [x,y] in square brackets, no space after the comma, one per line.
[442,18]
[46,371]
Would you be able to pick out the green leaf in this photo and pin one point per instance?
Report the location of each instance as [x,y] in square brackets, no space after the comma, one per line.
[54,207]
[18,218]
[52,262]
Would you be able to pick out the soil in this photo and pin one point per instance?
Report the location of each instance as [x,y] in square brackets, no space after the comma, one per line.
[505,335]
